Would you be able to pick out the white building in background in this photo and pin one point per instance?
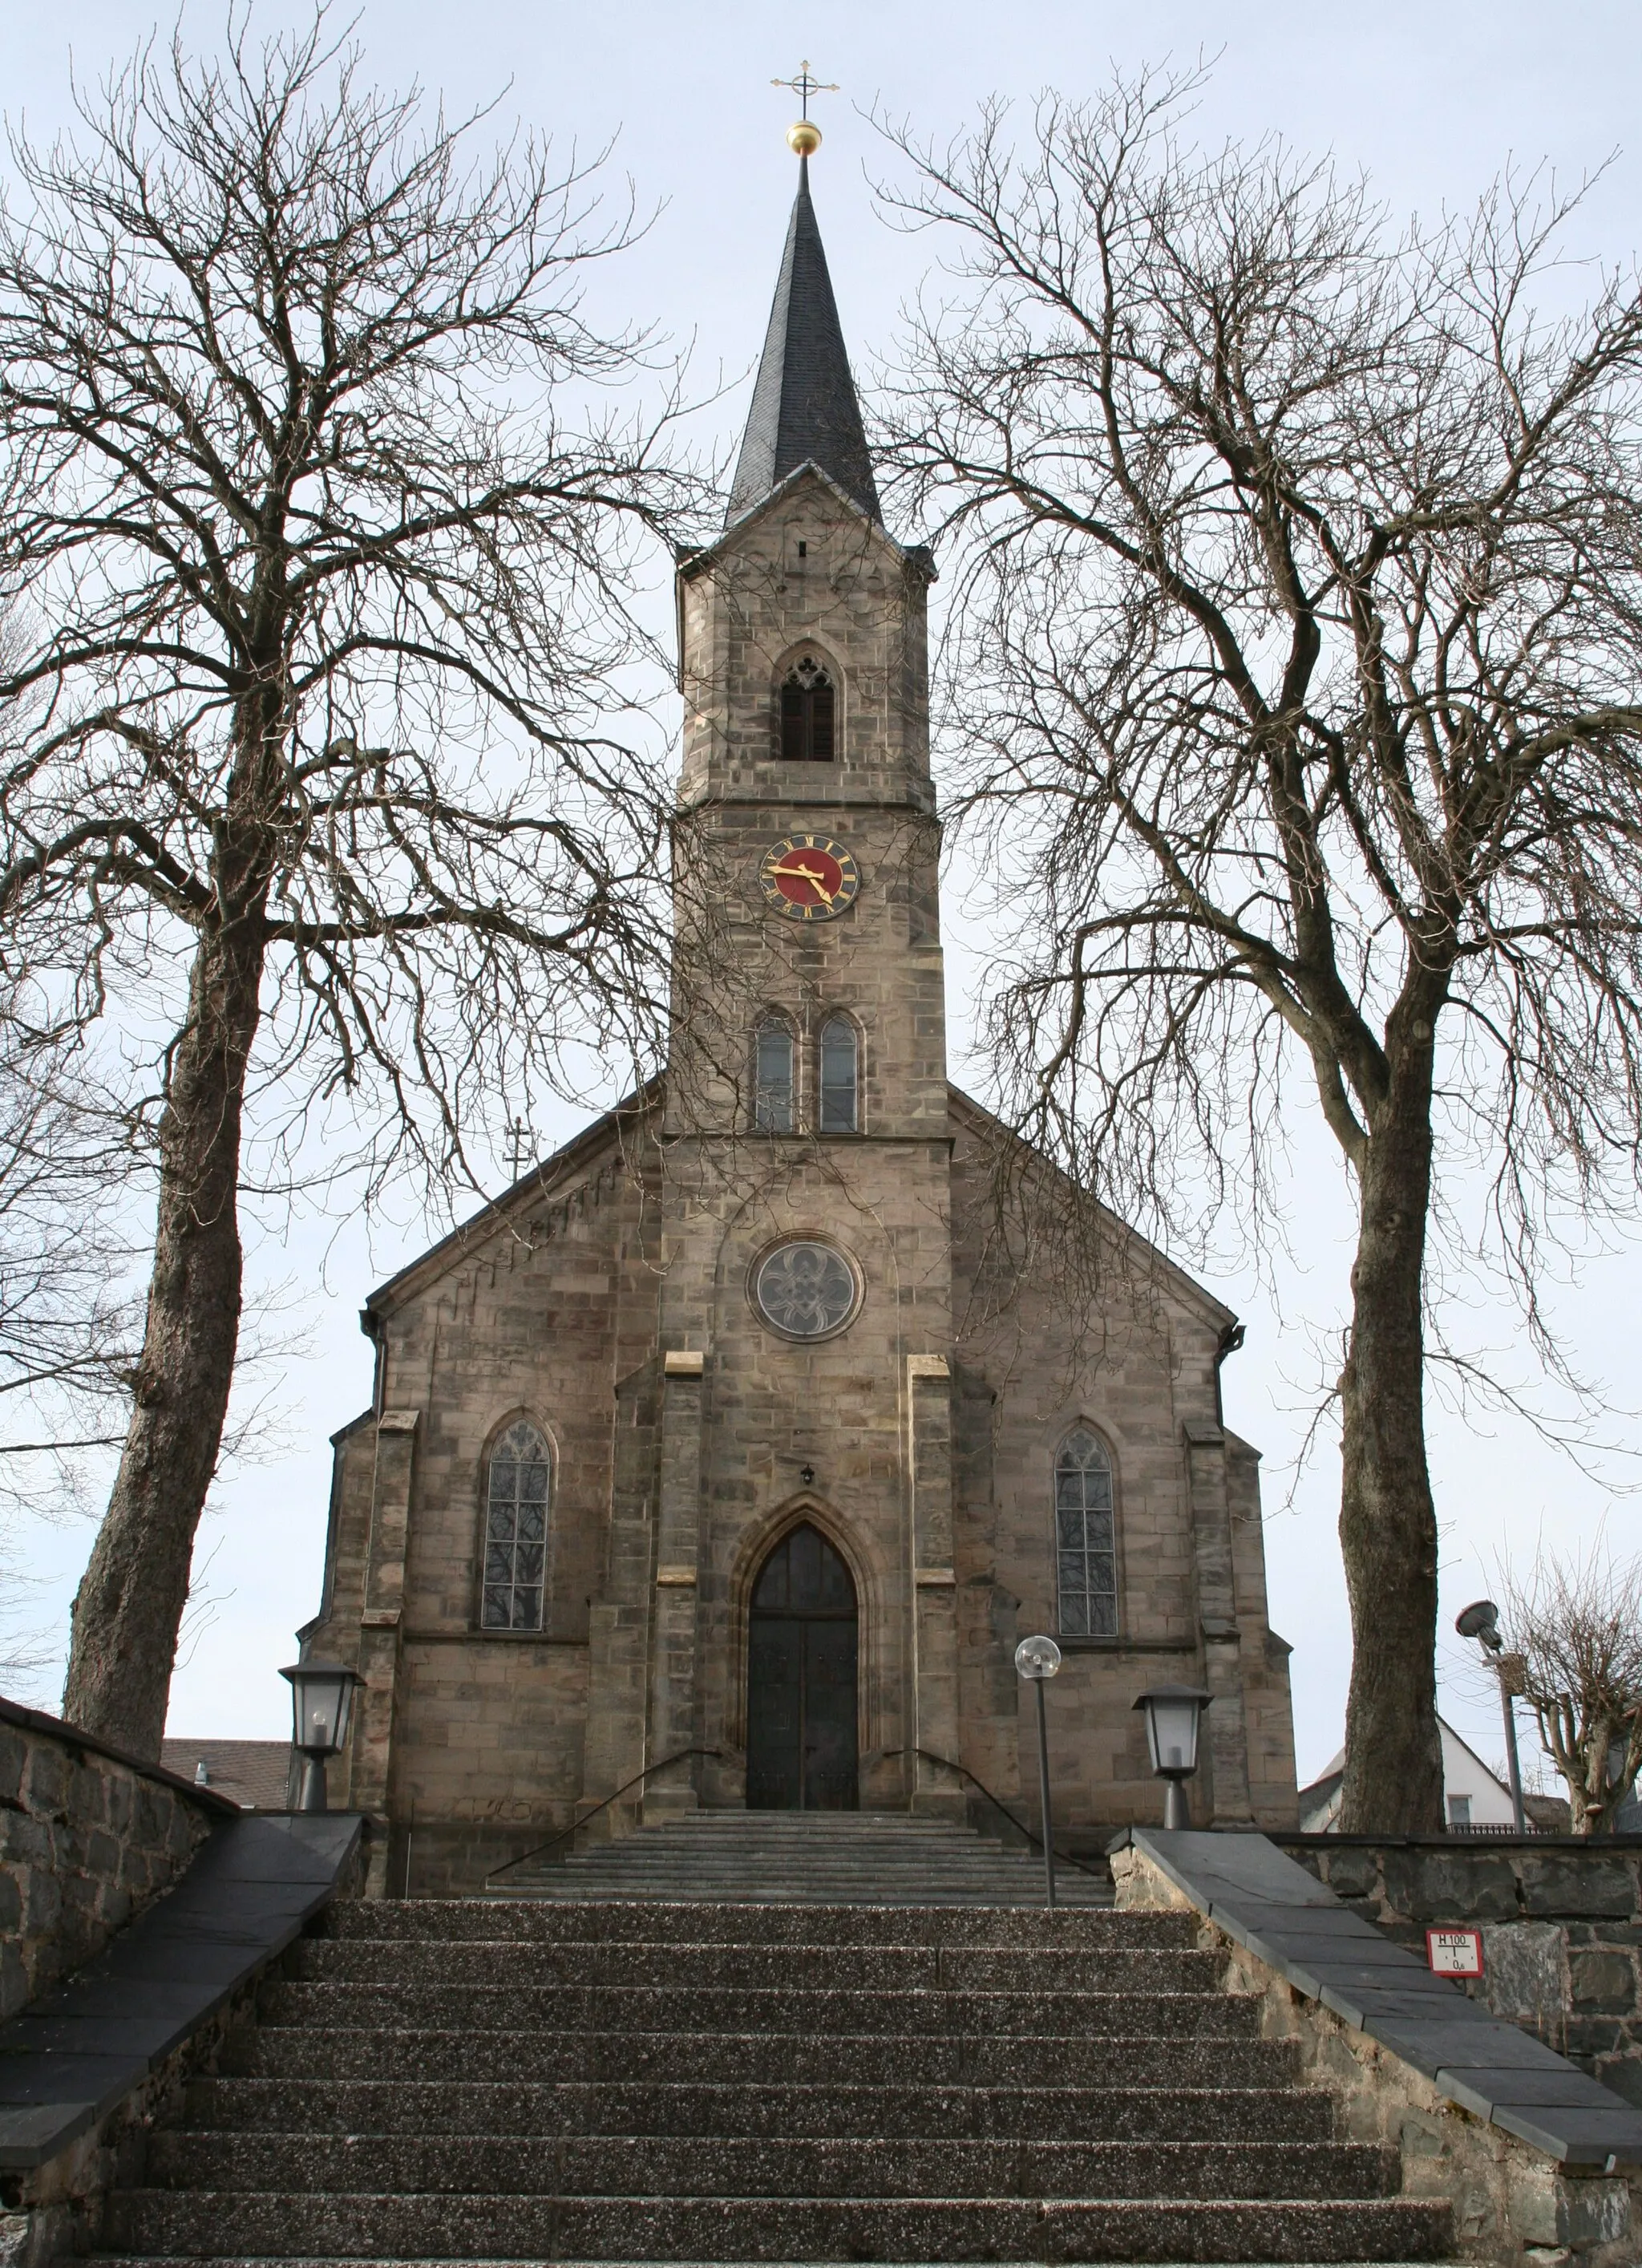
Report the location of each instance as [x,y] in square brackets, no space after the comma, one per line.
[1472,1796]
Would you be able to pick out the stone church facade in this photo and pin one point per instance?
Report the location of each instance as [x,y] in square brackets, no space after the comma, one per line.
[726,1458]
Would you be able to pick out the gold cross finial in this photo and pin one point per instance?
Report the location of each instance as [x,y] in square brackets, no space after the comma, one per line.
[803,136]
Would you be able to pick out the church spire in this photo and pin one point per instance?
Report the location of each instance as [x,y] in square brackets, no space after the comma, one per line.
[805,409]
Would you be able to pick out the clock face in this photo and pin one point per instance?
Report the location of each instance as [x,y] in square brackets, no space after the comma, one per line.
[809,878]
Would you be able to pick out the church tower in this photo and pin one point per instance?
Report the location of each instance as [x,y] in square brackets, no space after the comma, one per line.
[806,1313]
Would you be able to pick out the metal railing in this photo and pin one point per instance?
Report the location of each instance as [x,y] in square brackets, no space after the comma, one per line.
[575,1825]
[1062,1858]
[679,1756]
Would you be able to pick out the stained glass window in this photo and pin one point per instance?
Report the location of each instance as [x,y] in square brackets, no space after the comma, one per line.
[517,1485]
[838,1076]
[1084,1539]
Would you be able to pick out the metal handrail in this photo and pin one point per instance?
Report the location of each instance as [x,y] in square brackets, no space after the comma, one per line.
[677,1757]
[1062,1858]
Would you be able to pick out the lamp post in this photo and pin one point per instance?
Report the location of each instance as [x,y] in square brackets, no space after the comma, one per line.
[1174,1715]
[1481,1621]
[321,1702]
[1038,1660]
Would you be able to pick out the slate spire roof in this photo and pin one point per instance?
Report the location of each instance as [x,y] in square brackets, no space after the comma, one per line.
[805,409]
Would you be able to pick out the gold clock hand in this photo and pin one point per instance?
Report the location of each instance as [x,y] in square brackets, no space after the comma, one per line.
[808,874]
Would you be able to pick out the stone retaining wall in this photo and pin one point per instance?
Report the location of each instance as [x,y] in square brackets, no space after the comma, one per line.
[1561,1918]
[88,1837]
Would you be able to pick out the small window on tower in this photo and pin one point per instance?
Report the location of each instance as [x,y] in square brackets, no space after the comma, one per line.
[807,713]
[773,1078]
[838,1078]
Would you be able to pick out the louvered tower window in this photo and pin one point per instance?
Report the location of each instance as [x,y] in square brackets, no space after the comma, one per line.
[807,712]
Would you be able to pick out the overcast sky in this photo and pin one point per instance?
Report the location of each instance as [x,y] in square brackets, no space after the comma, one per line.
[1431,102]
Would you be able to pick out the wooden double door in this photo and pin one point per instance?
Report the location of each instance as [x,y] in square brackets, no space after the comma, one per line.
[802,1753]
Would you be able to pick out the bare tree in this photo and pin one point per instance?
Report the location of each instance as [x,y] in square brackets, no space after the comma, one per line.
[1576,1626]
[323,770]
[71,1323]
[1294,653]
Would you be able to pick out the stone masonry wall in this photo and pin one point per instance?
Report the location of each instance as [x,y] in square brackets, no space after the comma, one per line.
[87,1837]
[1561,1919]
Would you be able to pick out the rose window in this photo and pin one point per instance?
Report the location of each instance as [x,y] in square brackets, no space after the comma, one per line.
[806,1289]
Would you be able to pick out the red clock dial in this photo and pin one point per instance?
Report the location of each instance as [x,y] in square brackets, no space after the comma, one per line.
[809,878]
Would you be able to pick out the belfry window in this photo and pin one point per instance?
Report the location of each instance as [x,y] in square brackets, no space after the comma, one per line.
[1085,1538]
[807,713]
[517,1485]
[840,1076]
[773,1076]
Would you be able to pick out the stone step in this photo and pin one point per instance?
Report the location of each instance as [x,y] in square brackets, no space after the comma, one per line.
[787,1968]
[205,2225]
[807,2073]
[173,2260]
[785,1893]
[469,2057]
[1028,2113]
[845,1858]
[710,2008]
[734,1824]
[452,1921]
[782,2167]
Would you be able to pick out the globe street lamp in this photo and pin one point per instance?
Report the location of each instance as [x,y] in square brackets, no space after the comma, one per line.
[1174,1715]
[1038,1660]
[1481,1621]
[322,1702]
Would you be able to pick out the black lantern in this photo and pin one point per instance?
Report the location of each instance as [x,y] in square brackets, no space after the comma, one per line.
[1173,1716]
[322,1702]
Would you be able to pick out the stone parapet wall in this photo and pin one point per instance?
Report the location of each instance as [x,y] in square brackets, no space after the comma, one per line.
[88,1837]
[1561,1918]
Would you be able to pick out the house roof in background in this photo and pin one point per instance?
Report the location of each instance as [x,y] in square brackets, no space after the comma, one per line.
[255,1773]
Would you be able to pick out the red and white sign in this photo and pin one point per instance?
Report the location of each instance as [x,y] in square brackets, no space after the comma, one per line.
[1455,1952]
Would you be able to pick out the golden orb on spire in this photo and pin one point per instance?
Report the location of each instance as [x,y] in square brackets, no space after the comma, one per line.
[803,136]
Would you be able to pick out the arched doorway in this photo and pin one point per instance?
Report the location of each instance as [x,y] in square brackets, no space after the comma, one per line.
[800,1679]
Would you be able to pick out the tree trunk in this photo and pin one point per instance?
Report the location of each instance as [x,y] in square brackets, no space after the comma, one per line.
[1393,1782]
[129,1605]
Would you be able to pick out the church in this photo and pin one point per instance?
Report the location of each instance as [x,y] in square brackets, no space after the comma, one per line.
[725,1459]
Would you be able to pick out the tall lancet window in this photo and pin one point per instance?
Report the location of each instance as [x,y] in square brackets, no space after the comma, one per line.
[1085,1538]
[840,1076]
[773,1076]
[517,1484]
[807,713]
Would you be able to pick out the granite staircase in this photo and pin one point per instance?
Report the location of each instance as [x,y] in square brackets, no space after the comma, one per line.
[540,2079]
[809,1858]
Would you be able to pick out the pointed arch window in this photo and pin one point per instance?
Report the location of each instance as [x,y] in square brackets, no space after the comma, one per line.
[519,1485]
[773,1076]
[1086,1540]
[808,712]
[840,1076]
